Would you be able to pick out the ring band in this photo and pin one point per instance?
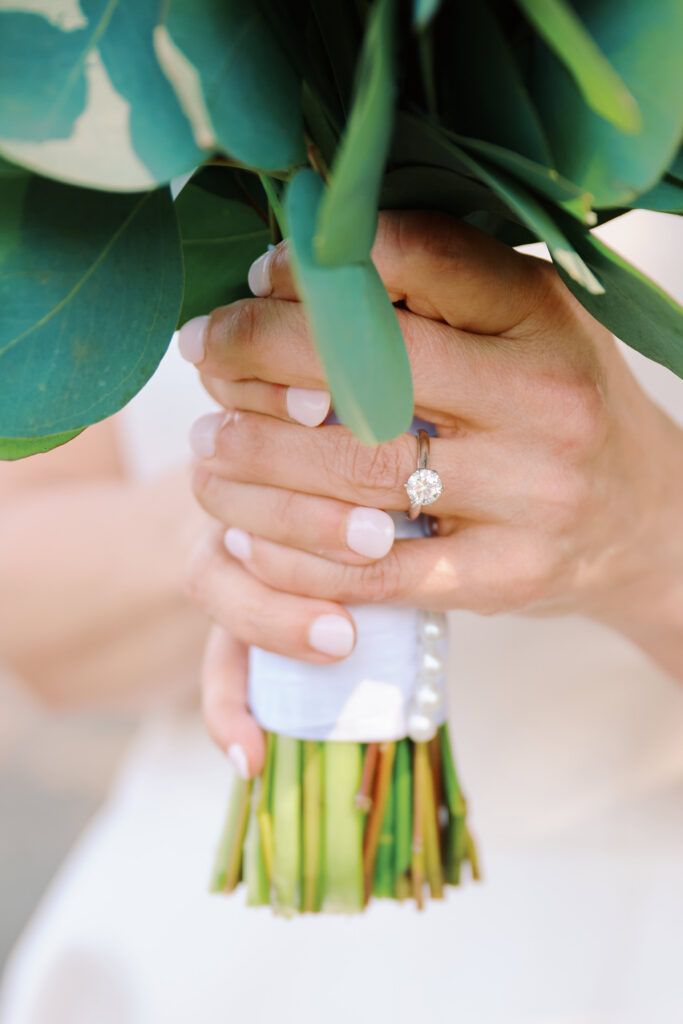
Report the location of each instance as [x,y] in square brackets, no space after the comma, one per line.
[424,485]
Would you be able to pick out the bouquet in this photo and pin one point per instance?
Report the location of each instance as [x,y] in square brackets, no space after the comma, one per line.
[532,120]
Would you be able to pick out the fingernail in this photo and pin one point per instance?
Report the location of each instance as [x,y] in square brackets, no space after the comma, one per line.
[192,339]
[238,760]
[332,634]
[308,406]
[370,532]
[258,277]
[204,433]
[238,543]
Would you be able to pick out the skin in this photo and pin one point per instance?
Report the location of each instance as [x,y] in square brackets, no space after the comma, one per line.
[93,609]
[562,484]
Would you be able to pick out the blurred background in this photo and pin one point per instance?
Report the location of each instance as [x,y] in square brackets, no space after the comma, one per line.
[54,771]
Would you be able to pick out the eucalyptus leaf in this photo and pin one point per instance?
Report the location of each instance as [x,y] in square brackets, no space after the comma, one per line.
[354,327]
[632,307]
[90,287]
[347,221]
[602,88]
[90,105]
[424,12]
[529,211]
[221,236]
[666,196]
[12,448]
[482,91]
[643,41]
[233,80]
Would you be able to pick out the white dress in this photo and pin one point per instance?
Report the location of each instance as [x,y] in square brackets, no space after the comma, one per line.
[570,746]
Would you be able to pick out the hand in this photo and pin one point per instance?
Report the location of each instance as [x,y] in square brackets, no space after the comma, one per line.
[562,483]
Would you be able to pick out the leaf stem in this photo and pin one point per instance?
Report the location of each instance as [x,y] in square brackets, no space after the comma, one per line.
[387,752]
[227,866]
[287,825]
[313,768]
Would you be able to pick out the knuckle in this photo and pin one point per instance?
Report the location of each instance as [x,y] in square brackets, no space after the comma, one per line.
[371,468]
[381,581]
[234,327]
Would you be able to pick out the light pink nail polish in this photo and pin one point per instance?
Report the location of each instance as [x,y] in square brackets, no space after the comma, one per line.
[258,277]
[238,759]
[307,405]
[332,634]
[238,543]
[192,339]
[204,434]
[370,532]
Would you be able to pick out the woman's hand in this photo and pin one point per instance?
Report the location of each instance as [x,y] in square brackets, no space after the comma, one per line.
[562,481]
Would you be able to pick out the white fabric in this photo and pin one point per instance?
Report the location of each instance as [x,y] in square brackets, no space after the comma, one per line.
[364,698]
[570,747]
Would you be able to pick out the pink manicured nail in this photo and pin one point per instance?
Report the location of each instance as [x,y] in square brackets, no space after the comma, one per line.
[192,339]
[258,277]
[238,760]
[370,532]
[204,433]
[308,406]
[332,634]
[238,543]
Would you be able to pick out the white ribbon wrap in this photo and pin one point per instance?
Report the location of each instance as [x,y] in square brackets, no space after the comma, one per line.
[364,698]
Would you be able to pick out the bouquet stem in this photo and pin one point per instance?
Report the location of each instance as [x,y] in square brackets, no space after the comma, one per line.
[329,825]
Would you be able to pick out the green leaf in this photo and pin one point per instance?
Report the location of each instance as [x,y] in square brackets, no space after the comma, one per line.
[233,80]
[90,105]
[221,236]
[643,42]
[529,211]
[545,180]
[12,448]
[90,287]
[633,307]
[666,196]
[354,327]
[602,88]
[424,11]
[347,222]
[482,91]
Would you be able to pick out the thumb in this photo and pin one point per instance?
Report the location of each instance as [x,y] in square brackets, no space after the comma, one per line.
[224,679]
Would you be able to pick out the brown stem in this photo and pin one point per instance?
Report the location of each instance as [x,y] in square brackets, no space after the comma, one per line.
[417,859]
[387,752]
[364,795]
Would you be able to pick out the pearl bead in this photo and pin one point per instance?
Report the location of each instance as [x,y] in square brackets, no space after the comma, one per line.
[432,664]
[427,698]
[421,728]
[433,625]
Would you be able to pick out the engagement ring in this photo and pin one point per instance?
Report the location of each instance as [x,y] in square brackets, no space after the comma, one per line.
[424,485]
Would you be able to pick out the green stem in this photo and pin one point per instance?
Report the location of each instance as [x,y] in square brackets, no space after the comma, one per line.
[287,825]
[274,202]
[226,869]
[384,875]
[343,829]
[265,804]
[403,827]
[417,860]
[255,877]
[373,829]
[313,772]
[430,825]
[450,779]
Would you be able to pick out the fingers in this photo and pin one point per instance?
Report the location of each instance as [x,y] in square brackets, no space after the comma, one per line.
[481,479]
[224,680]
[307,406]
[308,630]
[333,529]
[440,267]
[426,573]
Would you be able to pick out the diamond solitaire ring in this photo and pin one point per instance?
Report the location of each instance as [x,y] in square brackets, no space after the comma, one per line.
[424,485]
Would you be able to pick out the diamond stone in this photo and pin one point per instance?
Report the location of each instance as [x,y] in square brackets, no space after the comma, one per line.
[424,487]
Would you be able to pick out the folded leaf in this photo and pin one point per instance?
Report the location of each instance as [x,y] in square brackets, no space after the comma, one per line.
[87,102]
[233,80]
[643,42]
[90,288]
[633,307]
[354,327]
[602,88]
[347,221]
